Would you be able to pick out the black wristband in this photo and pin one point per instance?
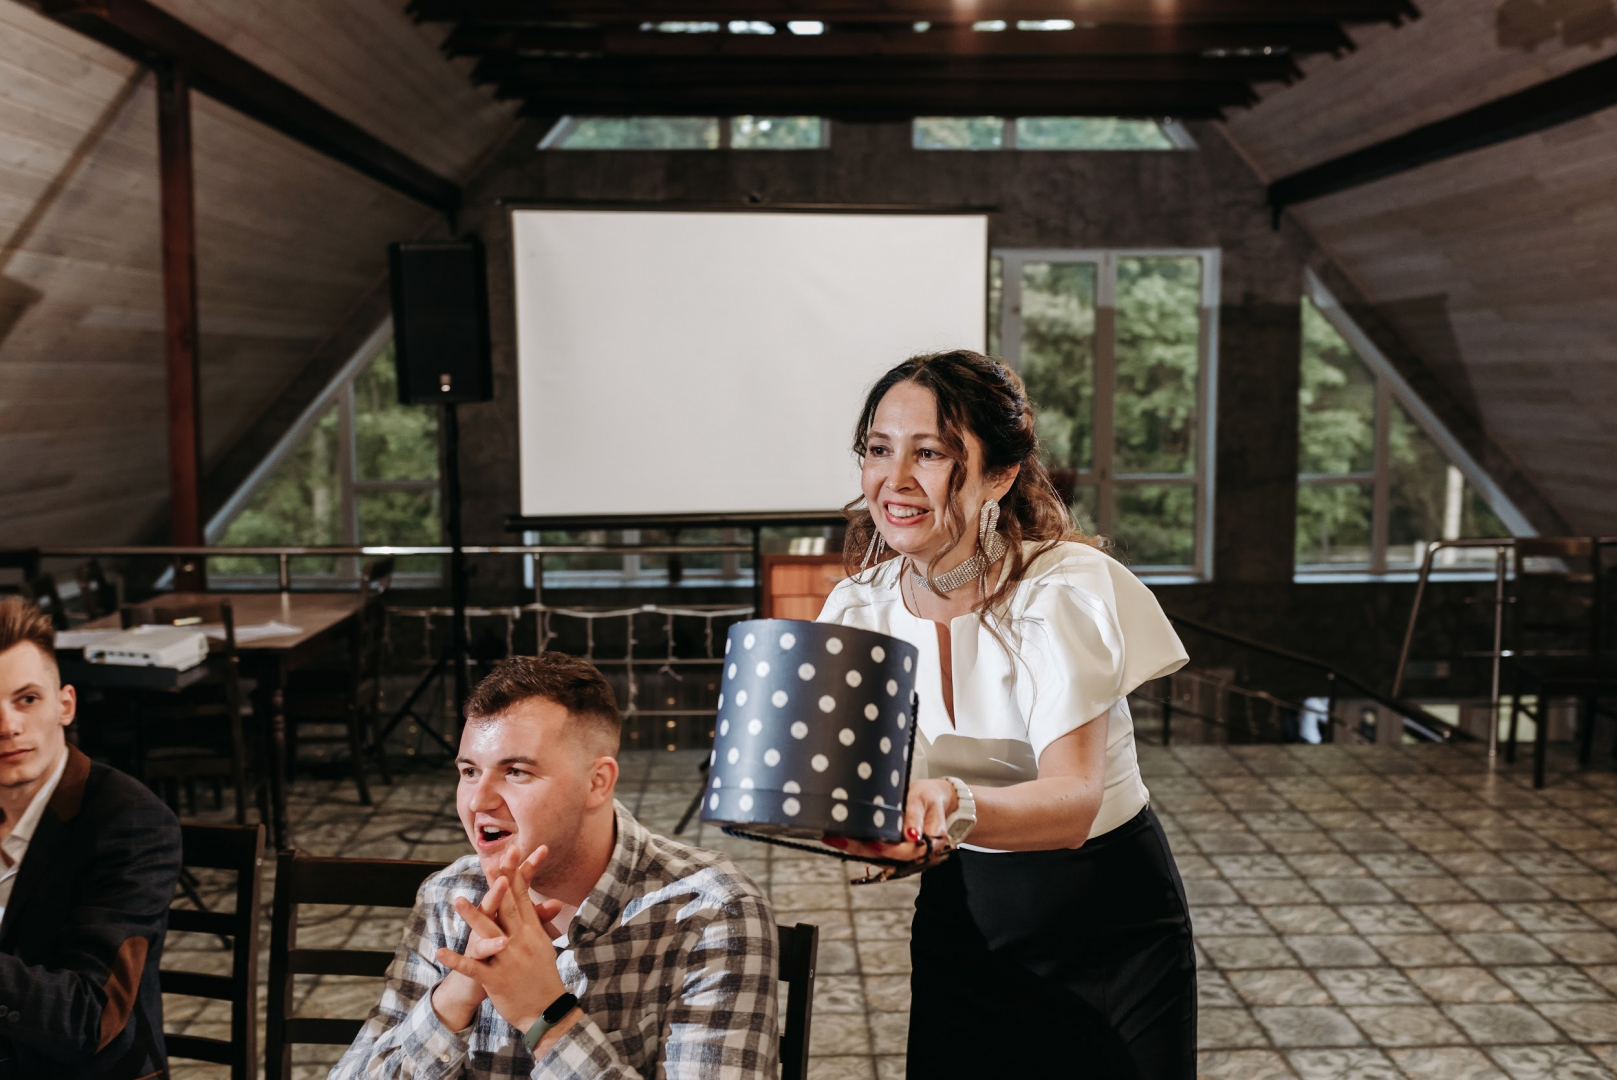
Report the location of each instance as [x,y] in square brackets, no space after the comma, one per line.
[560,1008]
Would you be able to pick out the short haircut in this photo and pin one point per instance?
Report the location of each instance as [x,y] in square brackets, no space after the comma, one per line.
[575,684]
[21,621]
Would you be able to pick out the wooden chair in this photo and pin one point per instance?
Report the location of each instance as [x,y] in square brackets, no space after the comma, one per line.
[302,879]
[799,947]
[223,847]
[178,736]
[41,589]
[98,596]
[348,694]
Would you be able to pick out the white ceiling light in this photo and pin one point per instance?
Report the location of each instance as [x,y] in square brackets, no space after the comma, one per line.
[806,27]
[1045,24]
[990,25]
[746,26]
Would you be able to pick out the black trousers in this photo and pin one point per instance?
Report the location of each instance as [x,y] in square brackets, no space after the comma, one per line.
[1071,963]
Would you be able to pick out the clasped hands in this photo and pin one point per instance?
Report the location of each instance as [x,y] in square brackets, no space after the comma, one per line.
[510,958]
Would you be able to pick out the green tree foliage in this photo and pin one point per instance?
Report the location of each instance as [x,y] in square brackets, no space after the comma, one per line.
[643,133]
[1158,334]
[392,441]
[1089,133]
[775,132]
[1058,358]
[958,132]
[1336,435]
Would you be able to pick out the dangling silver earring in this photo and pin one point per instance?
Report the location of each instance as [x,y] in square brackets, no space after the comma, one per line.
[878,545]
[989,542]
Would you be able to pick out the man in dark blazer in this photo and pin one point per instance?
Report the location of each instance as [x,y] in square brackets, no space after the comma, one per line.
[88,861]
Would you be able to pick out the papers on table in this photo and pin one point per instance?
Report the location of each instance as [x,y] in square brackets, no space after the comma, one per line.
[83,639]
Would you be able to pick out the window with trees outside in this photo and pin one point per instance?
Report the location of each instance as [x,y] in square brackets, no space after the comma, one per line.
[688,133]
[1378,477]
[1117,349]
[358,468]
[1048,133]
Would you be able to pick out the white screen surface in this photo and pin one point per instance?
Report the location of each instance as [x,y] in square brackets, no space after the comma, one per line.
[688,363]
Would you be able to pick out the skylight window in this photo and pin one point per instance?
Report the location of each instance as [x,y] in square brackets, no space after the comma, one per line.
[682,27]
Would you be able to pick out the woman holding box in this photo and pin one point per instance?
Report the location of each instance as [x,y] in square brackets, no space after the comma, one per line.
[1056,940]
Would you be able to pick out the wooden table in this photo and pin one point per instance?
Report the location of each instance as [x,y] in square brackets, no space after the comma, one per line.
[319,618]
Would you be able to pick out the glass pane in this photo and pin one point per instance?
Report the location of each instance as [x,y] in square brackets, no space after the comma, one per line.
[959,132]
[1158,336]
[1337,426]
[1089,133]
[1333,526]
[403,517]
[996,299]
[1058,360]
[1430,500]
[300,504]
[643,133]
[775,133]
[1156,524]
[393,441]
[1085,507]
[598,563]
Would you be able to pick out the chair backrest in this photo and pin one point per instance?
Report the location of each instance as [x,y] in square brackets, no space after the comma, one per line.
[371,625]
[97,594]
[1556,603]
[212,612]
[303,879]
[42,590]
[223,847]
[799,945]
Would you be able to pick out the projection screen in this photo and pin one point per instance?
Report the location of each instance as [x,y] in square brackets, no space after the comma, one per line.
[694,363]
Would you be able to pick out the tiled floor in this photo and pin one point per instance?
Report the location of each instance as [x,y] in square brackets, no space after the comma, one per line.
[1361,912]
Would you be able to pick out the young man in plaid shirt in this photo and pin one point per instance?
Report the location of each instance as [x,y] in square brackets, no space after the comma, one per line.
[574,944]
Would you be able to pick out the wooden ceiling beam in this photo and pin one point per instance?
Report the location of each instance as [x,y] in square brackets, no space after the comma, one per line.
[474,39]
[854,100]
[150,35]
[670,73]
[1555,101]
[1135,12]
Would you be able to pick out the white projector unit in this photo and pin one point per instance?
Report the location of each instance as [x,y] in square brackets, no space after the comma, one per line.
[177,647]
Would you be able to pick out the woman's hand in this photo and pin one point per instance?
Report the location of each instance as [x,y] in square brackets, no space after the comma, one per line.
[929,805]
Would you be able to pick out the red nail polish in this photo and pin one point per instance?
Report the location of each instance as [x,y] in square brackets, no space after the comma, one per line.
[836,842]
[913,834]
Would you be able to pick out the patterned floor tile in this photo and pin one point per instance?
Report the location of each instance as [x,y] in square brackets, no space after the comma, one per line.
[1370,986]
[1353,890]
[1552,983]
[1548,1063]
[1332,950]
[1461,985]
[1242,1065]
[1348,1064]
[1500,1024]
[1405,1025]
[1584,1021]
[1445,1063]
[1504,948]
[1228,1029]
[1418,950]
[1310,1025]
[1278,986]
[1305,919]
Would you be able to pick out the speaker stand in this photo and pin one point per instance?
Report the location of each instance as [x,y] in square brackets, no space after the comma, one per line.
[454,661]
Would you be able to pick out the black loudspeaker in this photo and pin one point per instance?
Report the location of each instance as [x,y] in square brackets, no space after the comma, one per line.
[440,322]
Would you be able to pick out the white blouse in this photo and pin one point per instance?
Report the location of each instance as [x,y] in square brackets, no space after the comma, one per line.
[1082,633]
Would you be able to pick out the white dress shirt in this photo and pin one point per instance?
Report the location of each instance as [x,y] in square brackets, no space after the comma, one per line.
[1079,635]
[15,846]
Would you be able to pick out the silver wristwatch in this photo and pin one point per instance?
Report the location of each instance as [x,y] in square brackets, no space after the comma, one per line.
[960,823]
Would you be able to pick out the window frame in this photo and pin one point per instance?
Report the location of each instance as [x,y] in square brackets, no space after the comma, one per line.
[1101,475]
[1392,387]
[338,393]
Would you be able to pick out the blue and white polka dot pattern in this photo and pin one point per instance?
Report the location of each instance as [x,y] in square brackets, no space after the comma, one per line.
[823,748]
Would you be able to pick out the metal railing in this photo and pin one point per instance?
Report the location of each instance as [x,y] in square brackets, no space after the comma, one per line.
[1503,549]
[283,554]
[1418,721]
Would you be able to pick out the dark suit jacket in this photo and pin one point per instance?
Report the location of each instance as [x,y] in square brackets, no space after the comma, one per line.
[83,934]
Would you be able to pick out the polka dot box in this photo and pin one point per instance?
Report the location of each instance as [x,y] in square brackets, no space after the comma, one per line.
[814,731]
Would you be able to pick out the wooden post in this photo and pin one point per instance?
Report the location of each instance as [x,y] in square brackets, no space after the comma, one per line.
[180,321]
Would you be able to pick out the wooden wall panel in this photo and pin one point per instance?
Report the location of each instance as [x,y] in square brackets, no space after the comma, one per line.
[289,241]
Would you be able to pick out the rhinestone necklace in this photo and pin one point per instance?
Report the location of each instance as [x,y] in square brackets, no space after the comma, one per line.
[968,571]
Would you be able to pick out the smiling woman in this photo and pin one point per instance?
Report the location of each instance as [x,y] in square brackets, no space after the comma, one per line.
[1029,642]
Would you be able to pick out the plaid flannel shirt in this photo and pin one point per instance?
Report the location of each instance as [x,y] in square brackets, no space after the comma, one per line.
[672,957]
